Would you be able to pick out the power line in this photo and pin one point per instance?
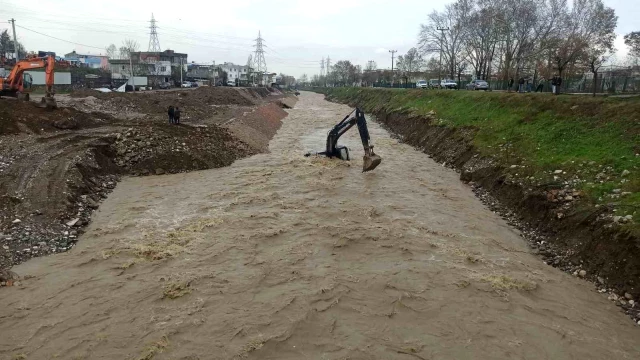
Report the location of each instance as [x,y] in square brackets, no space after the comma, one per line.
[53,37]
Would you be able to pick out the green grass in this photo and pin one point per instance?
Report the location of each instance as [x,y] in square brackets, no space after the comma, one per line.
[581,135]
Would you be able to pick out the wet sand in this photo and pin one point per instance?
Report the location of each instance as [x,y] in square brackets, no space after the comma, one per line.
[284,257]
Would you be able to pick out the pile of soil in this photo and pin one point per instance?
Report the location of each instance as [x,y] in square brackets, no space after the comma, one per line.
[257,127]
[198,106]
[26,117]
[171,149]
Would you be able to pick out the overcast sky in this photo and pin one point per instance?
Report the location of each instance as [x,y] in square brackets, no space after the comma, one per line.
[298,34]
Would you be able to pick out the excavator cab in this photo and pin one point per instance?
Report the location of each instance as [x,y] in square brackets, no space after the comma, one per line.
[27,81]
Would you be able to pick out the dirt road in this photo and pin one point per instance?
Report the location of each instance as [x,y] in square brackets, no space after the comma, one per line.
[284,257]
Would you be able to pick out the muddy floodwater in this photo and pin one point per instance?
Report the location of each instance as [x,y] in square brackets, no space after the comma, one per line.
[285,257]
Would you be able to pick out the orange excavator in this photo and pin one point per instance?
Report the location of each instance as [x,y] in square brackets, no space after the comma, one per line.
[18,83]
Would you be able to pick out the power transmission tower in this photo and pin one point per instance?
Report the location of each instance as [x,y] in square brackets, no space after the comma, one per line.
[322,67]
[442,30]
[154,43]
[258,57]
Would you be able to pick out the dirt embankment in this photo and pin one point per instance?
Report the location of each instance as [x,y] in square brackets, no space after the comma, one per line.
[56,166]
[577,240]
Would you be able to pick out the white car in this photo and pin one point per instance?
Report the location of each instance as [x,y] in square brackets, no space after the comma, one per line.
[186,84]
[448,84]
[422,84]
[231,83]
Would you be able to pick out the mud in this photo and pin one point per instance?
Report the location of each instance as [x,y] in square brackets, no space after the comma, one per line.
[279,256]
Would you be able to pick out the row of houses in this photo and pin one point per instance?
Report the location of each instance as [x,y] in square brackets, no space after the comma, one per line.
[170,66]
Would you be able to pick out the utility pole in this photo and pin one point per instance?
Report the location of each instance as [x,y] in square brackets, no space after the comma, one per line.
[322,67]
[328,70]
[393,52]
[133,80]
[15,38]
[442,30]
[180,71]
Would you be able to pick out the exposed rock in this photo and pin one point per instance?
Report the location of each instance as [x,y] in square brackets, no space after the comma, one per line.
[65,124]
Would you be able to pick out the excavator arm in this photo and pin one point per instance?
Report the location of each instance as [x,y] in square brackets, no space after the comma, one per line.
[370,159]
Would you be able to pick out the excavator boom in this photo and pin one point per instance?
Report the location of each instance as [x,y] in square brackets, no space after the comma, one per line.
[370,159]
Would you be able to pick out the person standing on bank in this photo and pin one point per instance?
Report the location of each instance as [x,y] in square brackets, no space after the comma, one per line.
[521,85]
[176,115]
[171,113]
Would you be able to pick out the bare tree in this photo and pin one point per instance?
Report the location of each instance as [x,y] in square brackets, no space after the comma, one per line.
[128,46]
[411,63]
[370,74]
[450,42]
[112,51]
[589,29]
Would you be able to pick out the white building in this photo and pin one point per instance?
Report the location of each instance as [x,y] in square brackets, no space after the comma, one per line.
[234,71]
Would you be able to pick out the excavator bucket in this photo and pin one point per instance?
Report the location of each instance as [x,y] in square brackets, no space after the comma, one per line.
[370,162]
[48,102]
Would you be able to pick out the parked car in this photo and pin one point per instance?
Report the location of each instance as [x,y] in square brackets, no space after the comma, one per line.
[478,85]
[164,85]
[231,83]
[434,84]
[422,84]
[186,84]
[448,84]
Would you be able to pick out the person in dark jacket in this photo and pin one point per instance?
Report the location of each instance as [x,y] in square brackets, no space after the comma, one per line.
[540,85]
[521,85]
[176,115]
[171,113]
[556,81]
[510,84]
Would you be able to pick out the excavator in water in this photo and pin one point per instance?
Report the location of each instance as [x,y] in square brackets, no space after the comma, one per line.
[18,83]
[356,117]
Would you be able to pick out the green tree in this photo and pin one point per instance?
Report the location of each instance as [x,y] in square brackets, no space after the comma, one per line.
[5,43]
[632,40]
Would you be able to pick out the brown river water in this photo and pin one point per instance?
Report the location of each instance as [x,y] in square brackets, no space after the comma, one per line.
[285,257]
